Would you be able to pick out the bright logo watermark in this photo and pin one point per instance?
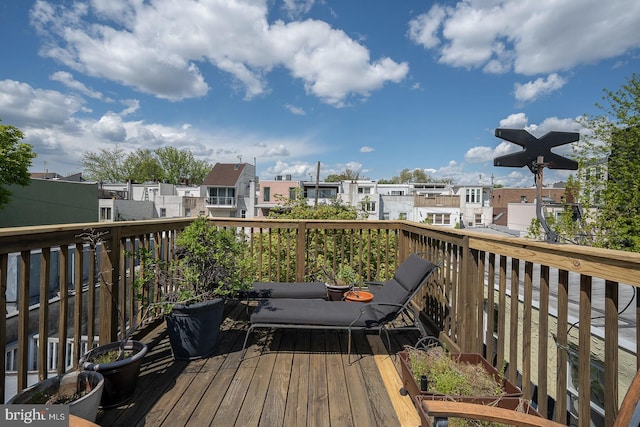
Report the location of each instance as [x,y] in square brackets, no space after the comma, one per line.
[34,415]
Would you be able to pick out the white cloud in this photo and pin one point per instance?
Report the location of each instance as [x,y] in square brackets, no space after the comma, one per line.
[295,8]
[159,48]
[531,38]
[295,110]
[67,79]
[517,120]
[365,149]
[109,128]
[23,105]
[532,90]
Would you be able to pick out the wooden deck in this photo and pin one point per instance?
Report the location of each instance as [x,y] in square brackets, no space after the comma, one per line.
[288,378]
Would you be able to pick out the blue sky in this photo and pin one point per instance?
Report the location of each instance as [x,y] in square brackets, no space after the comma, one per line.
[375,86]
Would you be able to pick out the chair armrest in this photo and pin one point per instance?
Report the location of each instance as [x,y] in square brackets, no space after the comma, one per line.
[446,409]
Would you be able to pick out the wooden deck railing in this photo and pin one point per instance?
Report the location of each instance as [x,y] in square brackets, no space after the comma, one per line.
[533,307]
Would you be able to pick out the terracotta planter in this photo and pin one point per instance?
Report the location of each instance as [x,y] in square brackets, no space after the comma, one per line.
[511,403]
[413,388]
[358,296]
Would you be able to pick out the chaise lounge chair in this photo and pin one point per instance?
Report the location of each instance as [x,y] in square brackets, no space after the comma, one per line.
[391,300]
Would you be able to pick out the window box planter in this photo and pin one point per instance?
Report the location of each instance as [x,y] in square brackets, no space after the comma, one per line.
[412,386]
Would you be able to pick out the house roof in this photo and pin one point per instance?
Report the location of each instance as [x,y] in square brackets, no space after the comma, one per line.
[224,174]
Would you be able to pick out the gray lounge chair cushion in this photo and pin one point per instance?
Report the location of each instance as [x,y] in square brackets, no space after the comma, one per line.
[298,290]
[312,312]
[412,272]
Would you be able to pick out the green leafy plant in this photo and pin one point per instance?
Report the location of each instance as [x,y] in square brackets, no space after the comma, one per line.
[210,262]
[449,376]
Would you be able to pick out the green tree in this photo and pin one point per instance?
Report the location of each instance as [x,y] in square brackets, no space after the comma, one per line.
[166,164]
[406,176]
[607,187]
[107,165]
[300,208]
[142,166]
[15,159]
[347,175]
[179,165]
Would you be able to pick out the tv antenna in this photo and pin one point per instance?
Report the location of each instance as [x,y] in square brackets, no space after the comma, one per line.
[537,155]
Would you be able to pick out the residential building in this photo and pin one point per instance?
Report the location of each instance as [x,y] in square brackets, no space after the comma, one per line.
[274,193]
[230,189]
[320,192]
[504,200]
[130,201]
[364,195]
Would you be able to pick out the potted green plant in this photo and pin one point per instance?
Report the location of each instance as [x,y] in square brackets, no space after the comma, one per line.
[339,280]
[118,362]
[212,264]
[81,390]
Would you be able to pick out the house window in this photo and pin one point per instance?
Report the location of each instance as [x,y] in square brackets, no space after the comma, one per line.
[187,212]
[364,190]
[442,219]
[292,193]
[397,192]
[243,213]
[163,212]
[105,214]
[385,215]
[222,195]
[523,199]
[402,215]
[478,219]
[473,195]
[323,193]
[266,194]
[369,206]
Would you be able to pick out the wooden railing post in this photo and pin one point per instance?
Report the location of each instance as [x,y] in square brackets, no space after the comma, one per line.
[109,287]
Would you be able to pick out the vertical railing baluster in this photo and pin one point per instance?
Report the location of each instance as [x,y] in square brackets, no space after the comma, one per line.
[23,319]
[4,258]
[502,313]
[78,281]
[513,323]
[563,346]
[527,320]
[543,340]
[584,353]
[491,280]
[64,307]
[611,352]
[43,323]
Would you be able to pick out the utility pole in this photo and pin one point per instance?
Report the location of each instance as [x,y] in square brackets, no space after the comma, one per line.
[317,183]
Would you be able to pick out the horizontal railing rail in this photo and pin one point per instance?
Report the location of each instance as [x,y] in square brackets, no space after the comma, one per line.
[562,319]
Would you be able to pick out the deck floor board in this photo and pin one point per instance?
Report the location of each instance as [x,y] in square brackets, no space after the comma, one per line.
[288,378]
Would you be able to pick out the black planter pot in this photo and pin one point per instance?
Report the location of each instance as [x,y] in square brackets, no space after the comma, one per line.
[194,329]
[120,377]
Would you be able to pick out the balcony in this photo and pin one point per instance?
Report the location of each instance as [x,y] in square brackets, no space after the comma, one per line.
[221,202]
[562,318]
